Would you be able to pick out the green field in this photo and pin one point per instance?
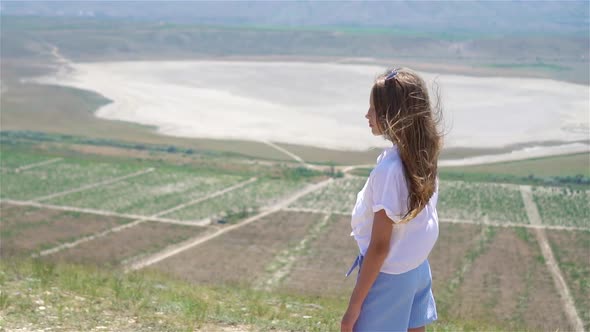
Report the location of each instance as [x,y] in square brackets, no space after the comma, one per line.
[56,177]
[247,199]
[567,207]
[11,161]
[165,187]
[150,193]
[481,201]
[339,196]
[568,165]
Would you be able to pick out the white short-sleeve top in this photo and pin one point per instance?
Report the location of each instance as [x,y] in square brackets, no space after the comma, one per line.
[387,189]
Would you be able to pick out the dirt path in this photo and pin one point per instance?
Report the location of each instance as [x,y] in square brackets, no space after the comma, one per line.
[46,162]
[285,151]
[93,185]
[175,249]
[294,156]
[347,169]
[535,219]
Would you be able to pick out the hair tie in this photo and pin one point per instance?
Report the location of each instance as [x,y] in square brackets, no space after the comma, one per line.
[391,75]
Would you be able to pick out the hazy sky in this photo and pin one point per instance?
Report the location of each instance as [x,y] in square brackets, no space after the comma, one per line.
[495,17]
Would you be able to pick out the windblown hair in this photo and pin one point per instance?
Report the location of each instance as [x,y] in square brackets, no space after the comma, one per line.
[406,117]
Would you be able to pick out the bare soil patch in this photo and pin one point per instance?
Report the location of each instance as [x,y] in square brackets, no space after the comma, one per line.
[112,249]
[510,283]
[29,229]
[241,256]
[454,241]
[321,270]
[12,215]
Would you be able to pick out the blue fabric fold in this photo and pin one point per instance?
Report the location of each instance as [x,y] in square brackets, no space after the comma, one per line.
[357,262]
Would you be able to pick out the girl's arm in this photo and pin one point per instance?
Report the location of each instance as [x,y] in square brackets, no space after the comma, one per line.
[372,262]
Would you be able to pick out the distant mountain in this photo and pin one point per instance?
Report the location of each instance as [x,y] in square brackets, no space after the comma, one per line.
[481,17]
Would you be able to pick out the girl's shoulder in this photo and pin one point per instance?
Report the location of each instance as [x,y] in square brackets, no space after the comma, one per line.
[389,168]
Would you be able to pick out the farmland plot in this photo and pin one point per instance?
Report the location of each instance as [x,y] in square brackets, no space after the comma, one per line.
[457,200]
[116,247]
[339,196]
[27,230]
[149,193]
[58,177]
[481,201]
[447,257]
[571,250]
[11,160]
[563,206]
[263,192]
[320,271]
[510,283]
[241,256]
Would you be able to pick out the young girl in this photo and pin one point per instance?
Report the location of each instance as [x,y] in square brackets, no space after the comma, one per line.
[394,220]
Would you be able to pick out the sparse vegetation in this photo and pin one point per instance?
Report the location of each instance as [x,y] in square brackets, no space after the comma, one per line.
[481,201]
[563,206]
[339,196]
[261,193]
[37,295]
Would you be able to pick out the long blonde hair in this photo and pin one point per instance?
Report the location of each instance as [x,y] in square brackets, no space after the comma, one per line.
[407,118]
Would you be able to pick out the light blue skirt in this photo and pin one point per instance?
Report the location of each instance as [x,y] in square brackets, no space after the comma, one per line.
[397,302]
